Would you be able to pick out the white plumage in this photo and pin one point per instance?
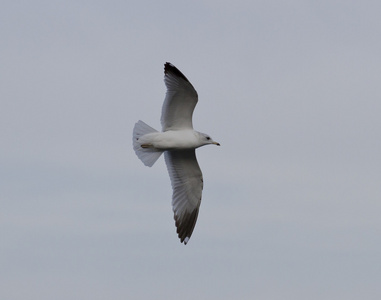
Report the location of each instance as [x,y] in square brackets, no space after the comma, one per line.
[178,141]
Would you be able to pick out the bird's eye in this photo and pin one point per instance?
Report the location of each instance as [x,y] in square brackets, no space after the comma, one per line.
[208,138]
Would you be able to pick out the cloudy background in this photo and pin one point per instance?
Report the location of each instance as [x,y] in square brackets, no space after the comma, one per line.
[292,199]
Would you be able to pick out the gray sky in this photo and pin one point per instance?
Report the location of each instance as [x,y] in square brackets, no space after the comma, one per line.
[291,202]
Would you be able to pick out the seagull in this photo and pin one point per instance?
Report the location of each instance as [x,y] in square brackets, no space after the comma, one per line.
[178,141]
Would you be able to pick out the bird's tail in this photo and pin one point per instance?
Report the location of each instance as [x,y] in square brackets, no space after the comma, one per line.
[147,155]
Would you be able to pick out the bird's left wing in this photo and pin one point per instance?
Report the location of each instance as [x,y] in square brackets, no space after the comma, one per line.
[187,184]
[180,100]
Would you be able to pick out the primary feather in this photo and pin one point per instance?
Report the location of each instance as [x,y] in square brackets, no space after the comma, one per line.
[180,100]
[187,184]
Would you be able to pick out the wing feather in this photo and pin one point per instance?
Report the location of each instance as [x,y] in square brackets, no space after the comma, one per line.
[187,184]
[180,100]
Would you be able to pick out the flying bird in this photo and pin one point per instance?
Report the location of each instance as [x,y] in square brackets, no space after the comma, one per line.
[178,141]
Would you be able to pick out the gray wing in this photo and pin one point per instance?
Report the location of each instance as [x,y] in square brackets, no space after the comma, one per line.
[180,100]
[187,184]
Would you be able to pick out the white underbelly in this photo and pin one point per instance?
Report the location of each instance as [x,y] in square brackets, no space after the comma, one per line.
[175,140]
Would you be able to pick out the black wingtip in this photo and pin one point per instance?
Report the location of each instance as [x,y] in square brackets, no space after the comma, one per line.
[186,226]
[171,69]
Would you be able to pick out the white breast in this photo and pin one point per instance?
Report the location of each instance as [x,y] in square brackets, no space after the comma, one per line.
[176,140]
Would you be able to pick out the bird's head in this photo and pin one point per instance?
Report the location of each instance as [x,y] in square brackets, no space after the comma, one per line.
[205,139]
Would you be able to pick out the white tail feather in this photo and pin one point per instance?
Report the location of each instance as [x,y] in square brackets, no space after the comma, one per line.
[147,155]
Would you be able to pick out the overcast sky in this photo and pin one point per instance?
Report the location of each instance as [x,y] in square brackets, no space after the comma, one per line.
[292,198]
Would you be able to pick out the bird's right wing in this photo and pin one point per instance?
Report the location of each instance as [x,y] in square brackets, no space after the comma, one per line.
[180,100]
[187,184]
